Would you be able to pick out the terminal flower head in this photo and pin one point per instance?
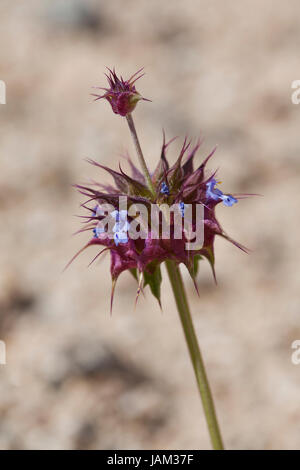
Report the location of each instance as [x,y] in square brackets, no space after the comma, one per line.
[121,94]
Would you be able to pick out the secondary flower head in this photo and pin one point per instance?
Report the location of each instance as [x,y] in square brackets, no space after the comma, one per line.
[178,185]
[121,94]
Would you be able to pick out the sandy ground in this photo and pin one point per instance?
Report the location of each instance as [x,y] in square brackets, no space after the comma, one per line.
[76,377]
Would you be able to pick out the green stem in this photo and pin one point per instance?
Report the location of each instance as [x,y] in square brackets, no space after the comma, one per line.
[140,153]
[185,317]
[195,354]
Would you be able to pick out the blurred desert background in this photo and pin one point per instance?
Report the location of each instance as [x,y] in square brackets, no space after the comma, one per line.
[76,377]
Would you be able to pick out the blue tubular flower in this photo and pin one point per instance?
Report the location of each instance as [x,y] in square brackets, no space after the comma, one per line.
[120,237]
[121,226]
[228,200]
[181,207]
[95,211]
[217,195]
[98,230]
[211,192]
[165,189]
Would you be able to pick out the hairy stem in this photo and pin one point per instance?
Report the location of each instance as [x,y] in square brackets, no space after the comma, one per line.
[195,354]
[140,154]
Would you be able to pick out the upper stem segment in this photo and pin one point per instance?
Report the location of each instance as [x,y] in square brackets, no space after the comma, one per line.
[140,154]
[195,354]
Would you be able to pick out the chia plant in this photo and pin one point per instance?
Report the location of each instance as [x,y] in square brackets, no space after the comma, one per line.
[180,185]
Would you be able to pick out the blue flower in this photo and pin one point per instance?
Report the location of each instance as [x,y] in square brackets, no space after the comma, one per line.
[211,192]
[181,207]
[217,195]
[228,200]
[95,211]
[164,189]
[98,230]
[121,226]
[120,237]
